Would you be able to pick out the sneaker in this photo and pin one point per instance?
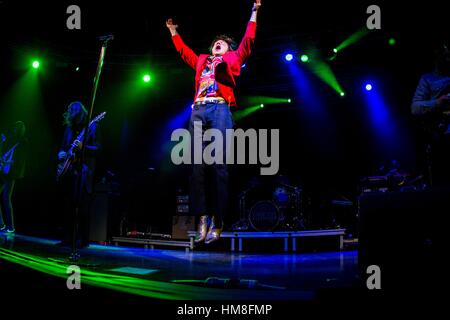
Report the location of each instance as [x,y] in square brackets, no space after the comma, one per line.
[10,230]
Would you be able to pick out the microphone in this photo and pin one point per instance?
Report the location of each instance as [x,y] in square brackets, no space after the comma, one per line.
[106,37]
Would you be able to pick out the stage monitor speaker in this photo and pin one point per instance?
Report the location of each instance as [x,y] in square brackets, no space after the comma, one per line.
[400,233]
[98,229]
[104,214]
[181,225]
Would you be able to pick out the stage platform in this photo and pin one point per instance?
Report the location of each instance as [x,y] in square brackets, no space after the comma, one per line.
[151,243]
[176,274]
[238,236]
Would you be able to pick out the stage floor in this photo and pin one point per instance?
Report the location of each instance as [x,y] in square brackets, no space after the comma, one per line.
[178,275]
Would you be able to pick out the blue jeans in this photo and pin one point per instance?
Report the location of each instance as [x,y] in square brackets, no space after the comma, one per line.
[209,183]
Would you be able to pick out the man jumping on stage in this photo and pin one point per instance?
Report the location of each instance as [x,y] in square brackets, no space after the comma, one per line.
[214,82]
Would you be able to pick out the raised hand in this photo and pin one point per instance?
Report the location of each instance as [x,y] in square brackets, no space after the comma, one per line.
[256,5]
[443,101]
[62,155]
[172,27]
[77,144]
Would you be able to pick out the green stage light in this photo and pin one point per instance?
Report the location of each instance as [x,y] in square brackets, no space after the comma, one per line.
[77,69]
[304,58]
[342,94]
[322,70]
[262,105]
[289,100]
[335,50]
[146,78]
[266,100]
[353,38]
[240,114]
[36,64]
[392,41]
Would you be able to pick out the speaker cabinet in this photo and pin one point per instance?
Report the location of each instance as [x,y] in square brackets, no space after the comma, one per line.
[181,225]
[104,214]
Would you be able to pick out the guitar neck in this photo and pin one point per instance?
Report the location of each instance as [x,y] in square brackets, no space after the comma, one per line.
[80,136]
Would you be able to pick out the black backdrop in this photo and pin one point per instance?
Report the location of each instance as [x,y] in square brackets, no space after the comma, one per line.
[325,158]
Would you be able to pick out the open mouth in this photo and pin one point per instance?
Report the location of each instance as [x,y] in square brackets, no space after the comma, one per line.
[218,47]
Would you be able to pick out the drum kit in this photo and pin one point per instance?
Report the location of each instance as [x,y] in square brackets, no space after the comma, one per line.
[272,205]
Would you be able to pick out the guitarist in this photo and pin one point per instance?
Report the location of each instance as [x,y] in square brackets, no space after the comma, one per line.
[12,167]
[75,121]
[431,104]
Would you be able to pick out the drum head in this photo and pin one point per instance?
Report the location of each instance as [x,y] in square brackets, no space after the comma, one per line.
[281,197]
[264,216]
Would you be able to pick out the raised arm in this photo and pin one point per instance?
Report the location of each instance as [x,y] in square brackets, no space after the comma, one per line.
[246,44]
[186,53]
[255,9]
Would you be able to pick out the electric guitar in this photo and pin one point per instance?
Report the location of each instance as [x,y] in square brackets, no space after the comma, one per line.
[6,160]
[71,156]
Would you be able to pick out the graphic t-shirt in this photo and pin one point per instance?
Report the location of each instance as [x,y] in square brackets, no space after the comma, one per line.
[208,85]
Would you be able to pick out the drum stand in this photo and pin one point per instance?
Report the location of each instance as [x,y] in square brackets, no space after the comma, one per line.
[297,220]
[242,224]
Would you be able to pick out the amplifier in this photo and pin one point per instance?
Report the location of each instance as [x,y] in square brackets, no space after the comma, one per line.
[181,225]
[374,184]
[182,204]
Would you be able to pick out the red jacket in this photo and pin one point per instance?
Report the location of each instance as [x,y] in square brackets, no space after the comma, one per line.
[227,70]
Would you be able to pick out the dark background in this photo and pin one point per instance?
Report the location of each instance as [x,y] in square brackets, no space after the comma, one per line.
[327,144]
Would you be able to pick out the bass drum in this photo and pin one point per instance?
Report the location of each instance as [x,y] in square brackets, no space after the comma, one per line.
[264,216]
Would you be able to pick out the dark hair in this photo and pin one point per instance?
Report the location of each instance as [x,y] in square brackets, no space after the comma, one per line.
[20,130]
[231,43]
[80,110]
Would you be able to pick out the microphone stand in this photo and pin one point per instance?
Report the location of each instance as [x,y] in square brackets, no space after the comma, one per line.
[75,255]
[429,152]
